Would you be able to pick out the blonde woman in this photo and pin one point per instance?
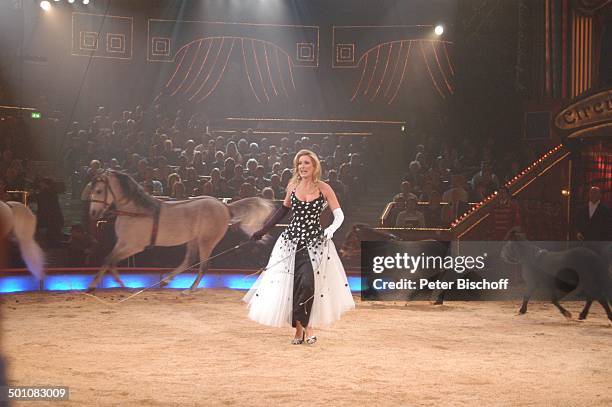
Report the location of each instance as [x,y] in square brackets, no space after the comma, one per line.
[304,283]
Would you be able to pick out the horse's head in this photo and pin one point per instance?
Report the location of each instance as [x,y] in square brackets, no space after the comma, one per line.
[101,195]
[513,249]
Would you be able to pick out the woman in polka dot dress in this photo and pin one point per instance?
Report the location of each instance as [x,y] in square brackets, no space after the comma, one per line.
[304,283]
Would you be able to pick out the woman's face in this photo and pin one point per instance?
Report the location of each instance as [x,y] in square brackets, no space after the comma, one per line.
[305,167]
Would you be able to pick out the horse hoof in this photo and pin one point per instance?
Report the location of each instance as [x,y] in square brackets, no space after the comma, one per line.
[438,302]
[90,290]
[163,284]
[567,315]
[188,291]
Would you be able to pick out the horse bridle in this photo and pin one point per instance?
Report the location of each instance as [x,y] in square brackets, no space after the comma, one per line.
[107,188]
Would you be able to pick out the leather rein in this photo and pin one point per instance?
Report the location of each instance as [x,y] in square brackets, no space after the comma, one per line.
[108,189]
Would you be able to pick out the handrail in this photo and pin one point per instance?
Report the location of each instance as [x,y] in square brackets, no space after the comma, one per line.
[25,195]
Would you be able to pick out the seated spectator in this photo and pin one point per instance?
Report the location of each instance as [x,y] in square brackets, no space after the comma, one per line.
[228,170]
[150,184]
[407,191]
[231,150]
[410,217]
[198,164]
[251,167]
[243,148]
[273,154]
[204,189]
[264,161]
[189,151]
[267,193]
[399,204]
[178,191]
[253,152]
[191,181]
[285,177]
[260,181]
[237,179]
[479,194]
[433,211]
[172,179]
[182,167]
[486,176]
[414,176]
[219,160]
[141,169]
[246,191]
[169,152]
[14,181]
[220,189]
[275,184]
[457,183]
[433,176]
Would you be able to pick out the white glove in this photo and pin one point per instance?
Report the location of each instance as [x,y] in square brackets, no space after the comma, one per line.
[331,229]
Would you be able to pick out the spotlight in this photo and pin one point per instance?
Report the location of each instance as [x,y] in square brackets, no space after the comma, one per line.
[86,2]
[439,30]
[70,1]
[45,5]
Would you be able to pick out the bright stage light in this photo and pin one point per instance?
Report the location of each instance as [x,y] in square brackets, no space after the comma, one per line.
[45,5]
[70,1]
[439,30]
[86,2]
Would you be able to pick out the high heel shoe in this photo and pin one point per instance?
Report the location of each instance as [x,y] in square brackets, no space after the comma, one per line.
[311,340]
[298,341]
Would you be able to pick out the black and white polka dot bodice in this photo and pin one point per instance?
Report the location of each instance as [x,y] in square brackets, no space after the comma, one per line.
[305,226]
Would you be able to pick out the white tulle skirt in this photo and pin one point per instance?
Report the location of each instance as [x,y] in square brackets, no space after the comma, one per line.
[270,299]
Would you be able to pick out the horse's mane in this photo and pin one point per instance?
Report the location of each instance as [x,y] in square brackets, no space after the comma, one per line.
[134,192]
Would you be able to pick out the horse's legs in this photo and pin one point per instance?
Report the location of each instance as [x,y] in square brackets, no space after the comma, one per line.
[206,248]
[189,259]
[439,293]
[606,307]
[555,300]
[113,271]
[526,299]
[119,252]
[585,310]
[94,283]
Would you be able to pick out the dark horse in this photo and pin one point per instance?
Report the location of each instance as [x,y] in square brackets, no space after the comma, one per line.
[351,253]
[542,268]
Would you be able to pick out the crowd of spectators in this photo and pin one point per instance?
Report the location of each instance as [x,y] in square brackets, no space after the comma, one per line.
[181,157]
[443,180]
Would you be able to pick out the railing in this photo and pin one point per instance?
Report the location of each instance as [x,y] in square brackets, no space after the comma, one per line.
[19,196]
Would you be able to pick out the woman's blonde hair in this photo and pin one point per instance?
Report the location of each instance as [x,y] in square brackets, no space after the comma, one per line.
[316,174]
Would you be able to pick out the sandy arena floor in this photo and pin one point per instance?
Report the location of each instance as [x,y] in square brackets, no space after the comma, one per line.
[163,348]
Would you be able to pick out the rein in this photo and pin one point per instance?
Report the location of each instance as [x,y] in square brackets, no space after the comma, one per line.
[117,212]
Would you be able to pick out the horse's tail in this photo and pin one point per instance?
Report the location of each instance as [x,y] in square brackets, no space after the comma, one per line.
[24,227]
[250,213]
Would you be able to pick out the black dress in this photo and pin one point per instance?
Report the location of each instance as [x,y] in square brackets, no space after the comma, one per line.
[305,229]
